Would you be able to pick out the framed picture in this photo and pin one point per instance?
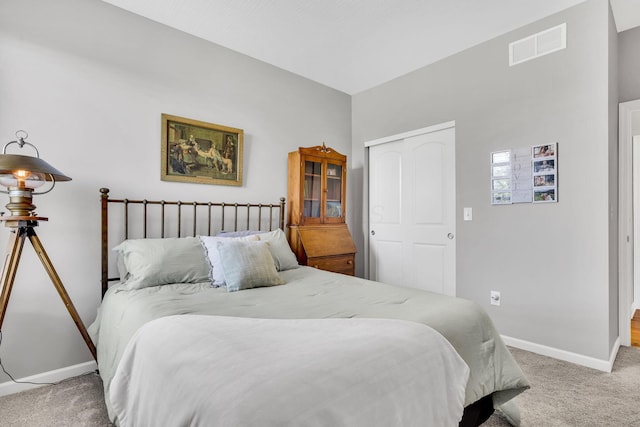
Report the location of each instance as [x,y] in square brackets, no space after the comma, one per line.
[545,173]
[548,150]
[501,177]
[544,166]
[200,152]
[544,196]
[544,180]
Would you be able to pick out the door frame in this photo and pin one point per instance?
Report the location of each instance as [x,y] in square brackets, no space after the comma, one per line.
[627,110]
[383,140]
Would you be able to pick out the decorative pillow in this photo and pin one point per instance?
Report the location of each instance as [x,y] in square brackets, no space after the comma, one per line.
[247,265]
[153,262]
[216,274]
[279,247]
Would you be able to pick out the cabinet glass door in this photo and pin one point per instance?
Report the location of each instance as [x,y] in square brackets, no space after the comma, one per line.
[333,207]
[312,189]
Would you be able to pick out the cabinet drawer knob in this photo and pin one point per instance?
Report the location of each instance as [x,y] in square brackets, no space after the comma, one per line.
[350,262]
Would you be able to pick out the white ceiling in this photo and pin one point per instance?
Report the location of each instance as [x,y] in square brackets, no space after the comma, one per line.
[353,45]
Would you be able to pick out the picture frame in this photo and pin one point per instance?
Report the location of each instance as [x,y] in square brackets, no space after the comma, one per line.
[547,180]
[547,150]
[545,173]
[544,196]
[199,152]
[524,175]
[544,166]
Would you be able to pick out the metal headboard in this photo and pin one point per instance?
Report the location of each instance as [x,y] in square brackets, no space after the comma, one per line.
[204,218]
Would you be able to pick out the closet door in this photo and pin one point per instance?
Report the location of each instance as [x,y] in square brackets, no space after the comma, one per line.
[412,212]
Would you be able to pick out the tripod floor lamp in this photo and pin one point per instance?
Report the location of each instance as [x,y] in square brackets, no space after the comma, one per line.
[21,175]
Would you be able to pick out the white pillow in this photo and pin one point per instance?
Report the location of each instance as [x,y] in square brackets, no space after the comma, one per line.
[122,267]
[247,264]
[280,250]
[216,273]
[241,233]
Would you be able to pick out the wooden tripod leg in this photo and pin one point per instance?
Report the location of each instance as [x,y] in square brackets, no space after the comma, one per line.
[11,260]
[42,254]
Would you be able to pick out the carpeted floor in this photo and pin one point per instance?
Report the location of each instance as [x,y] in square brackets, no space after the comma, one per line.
[562,395]
[76,402]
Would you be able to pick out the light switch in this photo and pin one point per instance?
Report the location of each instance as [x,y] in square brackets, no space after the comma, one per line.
[468,214]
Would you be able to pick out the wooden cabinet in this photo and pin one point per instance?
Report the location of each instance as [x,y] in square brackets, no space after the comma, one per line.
[317,186]
[318,234]
[327,247]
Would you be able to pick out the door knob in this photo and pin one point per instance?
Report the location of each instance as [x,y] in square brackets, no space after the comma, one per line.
[373,232]
[450,236]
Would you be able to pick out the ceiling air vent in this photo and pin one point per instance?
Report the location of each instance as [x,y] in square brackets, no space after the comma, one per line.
[537,45]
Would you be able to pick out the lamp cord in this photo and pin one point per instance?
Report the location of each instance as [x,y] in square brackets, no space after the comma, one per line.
[11,377]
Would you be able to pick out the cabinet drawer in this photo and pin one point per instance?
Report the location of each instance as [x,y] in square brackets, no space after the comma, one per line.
[339,263]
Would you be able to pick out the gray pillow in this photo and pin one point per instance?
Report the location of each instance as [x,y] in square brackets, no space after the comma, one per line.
[279,247]
[247,265]
[154,262]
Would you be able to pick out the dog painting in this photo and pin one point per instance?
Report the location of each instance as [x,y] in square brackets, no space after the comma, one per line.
[200,152]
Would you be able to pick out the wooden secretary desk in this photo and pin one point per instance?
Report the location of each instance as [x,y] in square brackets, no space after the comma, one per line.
[318,234]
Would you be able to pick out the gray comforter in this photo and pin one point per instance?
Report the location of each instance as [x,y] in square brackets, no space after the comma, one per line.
[315,294]
[241,372]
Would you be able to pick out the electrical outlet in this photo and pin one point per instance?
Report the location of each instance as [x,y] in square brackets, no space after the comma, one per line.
[495,298]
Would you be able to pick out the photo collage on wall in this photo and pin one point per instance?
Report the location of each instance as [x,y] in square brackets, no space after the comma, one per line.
[545,183]
[525,175]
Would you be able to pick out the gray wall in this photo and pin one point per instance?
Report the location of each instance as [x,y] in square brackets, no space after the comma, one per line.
[613,181]
[89,82]
[551,262]
[629,50]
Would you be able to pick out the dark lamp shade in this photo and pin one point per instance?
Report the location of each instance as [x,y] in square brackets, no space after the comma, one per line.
[9,163]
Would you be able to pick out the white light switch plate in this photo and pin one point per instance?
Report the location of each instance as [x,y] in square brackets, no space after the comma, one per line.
[468,214]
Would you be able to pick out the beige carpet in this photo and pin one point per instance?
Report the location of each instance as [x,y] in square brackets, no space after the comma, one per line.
[76,402]
[562,394]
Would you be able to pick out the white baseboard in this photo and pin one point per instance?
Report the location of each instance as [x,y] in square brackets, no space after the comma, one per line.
[567,356]
[47,377]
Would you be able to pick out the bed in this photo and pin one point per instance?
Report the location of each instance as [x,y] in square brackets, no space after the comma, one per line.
[298,347]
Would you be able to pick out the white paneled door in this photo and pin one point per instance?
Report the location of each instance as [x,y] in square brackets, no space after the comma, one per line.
[412,211]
